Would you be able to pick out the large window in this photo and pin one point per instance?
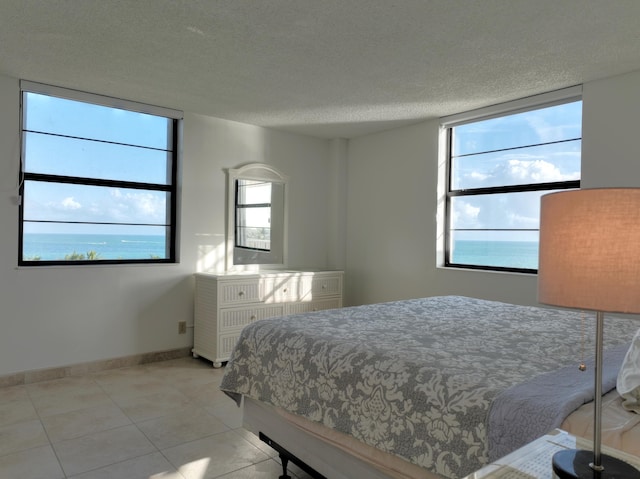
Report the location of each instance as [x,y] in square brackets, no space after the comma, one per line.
[98,179]
[500,162]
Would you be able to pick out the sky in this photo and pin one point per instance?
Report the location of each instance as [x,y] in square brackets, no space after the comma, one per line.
[141,151]
[481,161]
[133,147]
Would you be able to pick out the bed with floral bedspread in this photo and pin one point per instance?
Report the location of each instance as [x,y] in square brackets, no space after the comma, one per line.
[415,378]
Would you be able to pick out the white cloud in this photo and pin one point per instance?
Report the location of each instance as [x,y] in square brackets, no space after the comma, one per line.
[520,168]
[465,214]
[70,204]
[534,171]
[151,205]
[477,176]
[545,131]
[521,221]
[134,206]
[63,206]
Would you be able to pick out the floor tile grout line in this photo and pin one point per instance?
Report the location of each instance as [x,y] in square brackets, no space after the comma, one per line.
[131,423]
[52,444]
[136,424]
[166,379]
[114,464]
[46,433]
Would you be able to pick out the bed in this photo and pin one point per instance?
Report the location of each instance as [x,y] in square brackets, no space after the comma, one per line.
[429,387]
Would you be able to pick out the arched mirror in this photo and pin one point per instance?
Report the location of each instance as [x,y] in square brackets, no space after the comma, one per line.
[257,217]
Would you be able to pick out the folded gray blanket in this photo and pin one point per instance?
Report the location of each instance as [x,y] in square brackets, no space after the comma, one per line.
[529,410]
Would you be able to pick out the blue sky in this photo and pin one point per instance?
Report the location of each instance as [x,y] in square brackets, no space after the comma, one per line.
[138,153]
[547,163]
[141,141]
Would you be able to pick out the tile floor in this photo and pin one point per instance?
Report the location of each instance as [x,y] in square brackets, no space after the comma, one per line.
[164,420]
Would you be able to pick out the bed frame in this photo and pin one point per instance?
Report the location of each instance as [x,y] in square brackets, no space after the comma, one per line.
[286,456]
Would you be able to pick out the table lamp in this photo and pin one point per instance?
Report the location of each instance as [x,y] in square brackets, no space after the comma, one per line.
[590,260]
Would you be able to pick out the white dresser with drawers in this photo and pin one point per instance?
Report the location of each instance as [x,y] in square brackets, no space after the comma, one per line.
[227,302]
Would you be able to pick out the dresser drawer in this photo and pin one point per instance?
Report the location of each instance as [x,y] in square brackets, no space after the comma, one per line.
[326,286]
[226,342]
[279,289]
[239,292]
[311,287]
[238,318]
[307,307]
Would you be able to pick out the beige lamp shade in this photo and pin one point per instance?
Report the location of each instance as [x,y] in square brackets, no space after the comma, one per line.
[590,250]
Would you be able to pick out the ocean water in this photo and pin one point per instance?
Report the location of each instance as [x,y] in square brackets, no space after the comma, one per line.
[509,254]
[54,247]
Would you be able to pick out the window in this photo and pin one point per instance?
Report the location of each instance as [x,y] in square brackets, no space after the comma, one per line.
[253,215]
[501,160]
[98,180]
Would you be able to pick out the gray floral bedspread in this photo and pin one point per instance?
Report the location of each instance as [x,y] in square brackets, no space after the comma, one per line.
[415,378]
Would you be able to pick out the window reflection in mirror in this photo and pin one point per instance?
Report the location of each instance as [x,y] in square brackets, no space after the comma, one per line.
[257,212]
[253,214]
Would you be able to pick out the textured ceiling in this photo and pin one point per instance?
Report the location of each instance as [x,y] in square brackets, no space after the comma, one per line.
[328,68]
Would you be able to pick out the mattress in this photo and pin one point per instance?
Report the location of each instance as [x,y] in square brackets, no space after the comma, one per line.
[620,427]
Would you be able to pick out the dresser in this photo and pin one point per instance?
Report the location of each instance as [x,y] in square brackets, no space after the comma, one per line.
[227,302]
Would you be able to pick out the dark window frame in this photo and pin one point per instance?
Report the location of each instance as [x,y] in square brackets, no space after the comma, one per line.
[239,226]
[170,187]
[518,188]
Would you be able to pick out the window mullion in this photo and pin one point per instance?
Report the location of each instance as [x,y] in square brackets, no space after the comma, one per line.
[515,148]
[77,180]
[556,185]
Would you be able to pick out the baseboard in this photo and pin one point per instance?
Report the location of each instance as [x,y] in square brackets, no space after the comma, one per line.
[81,369]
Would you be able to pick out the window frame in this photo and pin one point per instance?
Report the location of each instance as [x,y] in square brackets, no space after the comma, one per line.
[175,118]
[242,207]
[568,95]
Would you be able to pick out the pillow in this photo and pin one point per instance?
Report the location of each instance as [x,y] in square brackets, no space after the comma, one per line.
[628,383]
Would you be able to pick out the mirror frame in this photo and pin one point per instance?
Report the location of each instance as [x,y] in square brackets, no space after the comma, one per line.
[259,172]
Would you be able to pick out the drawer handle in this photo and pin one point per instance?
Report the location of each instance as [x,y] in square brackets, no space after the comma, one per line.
[324,286]
[241,293]
[253,317]
[285,290]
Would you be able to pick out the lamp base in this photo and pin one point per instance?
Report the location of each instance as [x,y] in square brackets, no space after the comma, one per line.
[574,464]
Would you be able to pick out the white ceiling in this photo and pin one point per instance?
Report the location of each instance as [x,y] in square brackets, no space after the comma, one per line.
[328,68]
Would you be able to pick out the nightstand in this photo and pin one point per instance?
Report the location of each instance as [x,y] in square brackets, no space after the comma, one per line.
[533,461]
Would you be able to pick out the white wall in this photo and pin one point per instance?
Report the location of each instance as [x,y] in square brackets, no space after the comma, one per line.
[62,315]
[390,215]
[611,132]
[392,188]
[58,316]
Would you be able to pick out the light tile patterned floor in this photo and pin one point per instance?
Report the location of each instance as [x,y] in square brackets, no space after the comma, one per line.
[165,420]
